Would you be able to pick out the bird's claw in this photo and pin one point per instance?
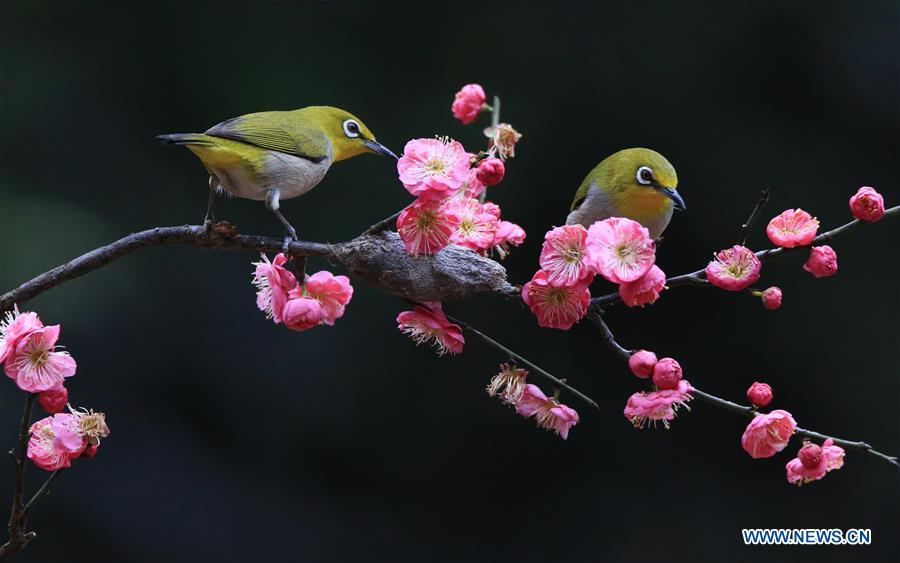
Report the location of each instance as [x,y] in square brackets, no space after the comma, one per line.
[289,237]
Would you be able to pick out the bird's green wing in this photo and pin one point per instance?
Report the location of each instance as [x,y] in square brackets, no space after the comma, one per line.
[277,131]
[581,194]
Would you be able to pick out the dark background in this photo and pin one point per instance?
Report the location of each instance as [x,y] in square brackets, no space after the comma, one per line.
[234,439]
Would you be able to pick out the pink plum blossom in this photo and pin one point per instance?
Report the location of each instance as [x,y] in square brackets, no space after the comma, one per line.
[564,256]
[502,140]
[650,407]
[641,363]
[547,412]
[822,261]
[44,450]
[556,307]
[333,292]
[54,400]
[509,384]
[473,186]
[644,290]
[425,227]
[427,323]
[490,171]
[760,394]
[867,204]
[834,455]
[667,373]
[468,103]
[507,234]
[36,365]
[14,327]
[273,282]
[771,298]
[768,434]
[90,425]
[303,313]
[794,227]
[809,465]
[475,227]
[433,168]
[734,268]
[620,249]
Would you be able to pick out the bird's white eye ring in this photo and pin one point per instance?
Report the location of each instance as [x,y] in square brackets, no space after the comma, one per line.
[644,175]
[351,128]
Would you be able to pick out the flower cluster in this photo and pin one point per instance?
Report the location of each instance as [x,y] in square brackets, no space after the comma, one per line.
[502,137]
[617,249]
[29,354]
[529,401]
[320,299]
[813,462]
[670,392]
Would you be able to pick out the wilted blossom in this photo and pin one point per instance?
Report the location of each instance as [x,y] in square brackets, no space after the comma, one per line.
[641,363]
[768,434]
[427,323]
[333,292]
[794,227]
[468,103]
[490,171]
[36,365]
[867,204]
[508,384]
[507,234]
[15,326]
[54,400]
[620,249]
[760,394]
[564,256]
[433,168]
[650,407]
[303,313]
[813,462]
[644,290]
[734,268]
[475,227]
[547,411]
[667,373]
[502,140]
[771,298]
[822,261]
[425,227]
[556,307]
[273,282]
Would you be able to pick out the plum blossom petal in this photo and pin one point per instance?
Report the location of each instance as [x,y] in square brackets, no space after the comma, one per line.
[273,282]
[54,400]
[734,268]
[556,307]
[427,323]
[36,365]
[793,227]
[548,413]
[333,292]
[509,384]
[771,298]
[651,407]
[433,168]
[822,261]
[15,326]
[425,227]
[813,462]
[564,256]
[468,103]
[303,313]
[502,140]
[475,227]
[620,249]
[644,290]
[490,171]
[667,373]
[867,204]
[641,363]
[768,434]
[760,394]
[508,234]
[44,450]
[834,455]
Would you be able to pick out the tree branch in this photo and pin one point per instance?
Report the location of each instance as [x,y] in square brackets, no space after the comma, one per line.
[745,228]
[18,538]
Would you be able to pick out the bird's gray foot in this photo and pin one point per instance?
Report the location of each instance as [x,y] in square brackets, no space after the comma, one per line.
[290,235]
[210,218]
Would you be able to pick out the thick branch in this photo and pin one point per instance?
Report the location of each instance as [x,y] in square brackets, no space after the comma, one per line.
[454,273]
[698,277]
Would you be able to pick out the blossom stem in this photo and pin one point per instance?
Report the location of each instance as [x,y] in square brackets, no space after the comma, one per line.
[41,493]
[385,223]
[623,353]
[495,112]
[535,368]
[745,228]
[698,277]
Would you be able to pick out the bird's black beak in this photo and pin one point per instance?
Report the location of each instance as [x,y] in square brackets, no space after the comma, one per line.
[673,194]
[378,148]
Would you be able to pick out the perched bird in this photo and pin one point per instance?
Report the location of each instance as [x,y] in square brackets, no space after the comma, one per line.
[275,155]
[635,183]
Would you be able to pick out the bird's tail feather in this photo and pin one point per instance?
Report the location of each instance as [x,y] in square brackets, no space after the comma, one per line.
[184,139]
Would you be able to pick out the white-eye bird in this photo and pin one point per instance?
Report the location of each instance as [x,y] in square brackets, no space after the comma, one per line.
[275,155]
[639,184]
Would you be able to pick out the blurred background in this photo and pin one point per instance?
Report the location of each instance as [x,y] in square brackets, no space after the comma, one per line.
[234,439]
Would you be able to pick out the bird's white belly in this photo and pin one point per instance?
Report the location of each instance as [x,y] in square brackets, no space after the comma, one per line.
[291,175]
[598,206]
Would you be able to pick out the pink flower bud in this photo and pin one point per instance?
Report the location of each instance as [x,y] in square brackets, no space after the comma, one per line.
[867,204]
[641,363]
[90,450]
[822,262]
[666,373]
[771,298]
[490,171]
[760,394]
[810,455]
[54,400]
[468,103]
[303,313]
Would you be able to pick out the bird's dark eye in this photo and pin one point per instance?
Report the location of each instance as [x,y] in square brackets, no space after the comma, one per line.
[645,175]
[351,128]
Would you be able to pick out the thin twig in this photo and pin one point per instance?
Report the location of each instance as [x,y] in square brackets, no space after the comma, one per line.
[534,367]
[597,316]
[698,277]
[41,493]
[385,223]
[745,228]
